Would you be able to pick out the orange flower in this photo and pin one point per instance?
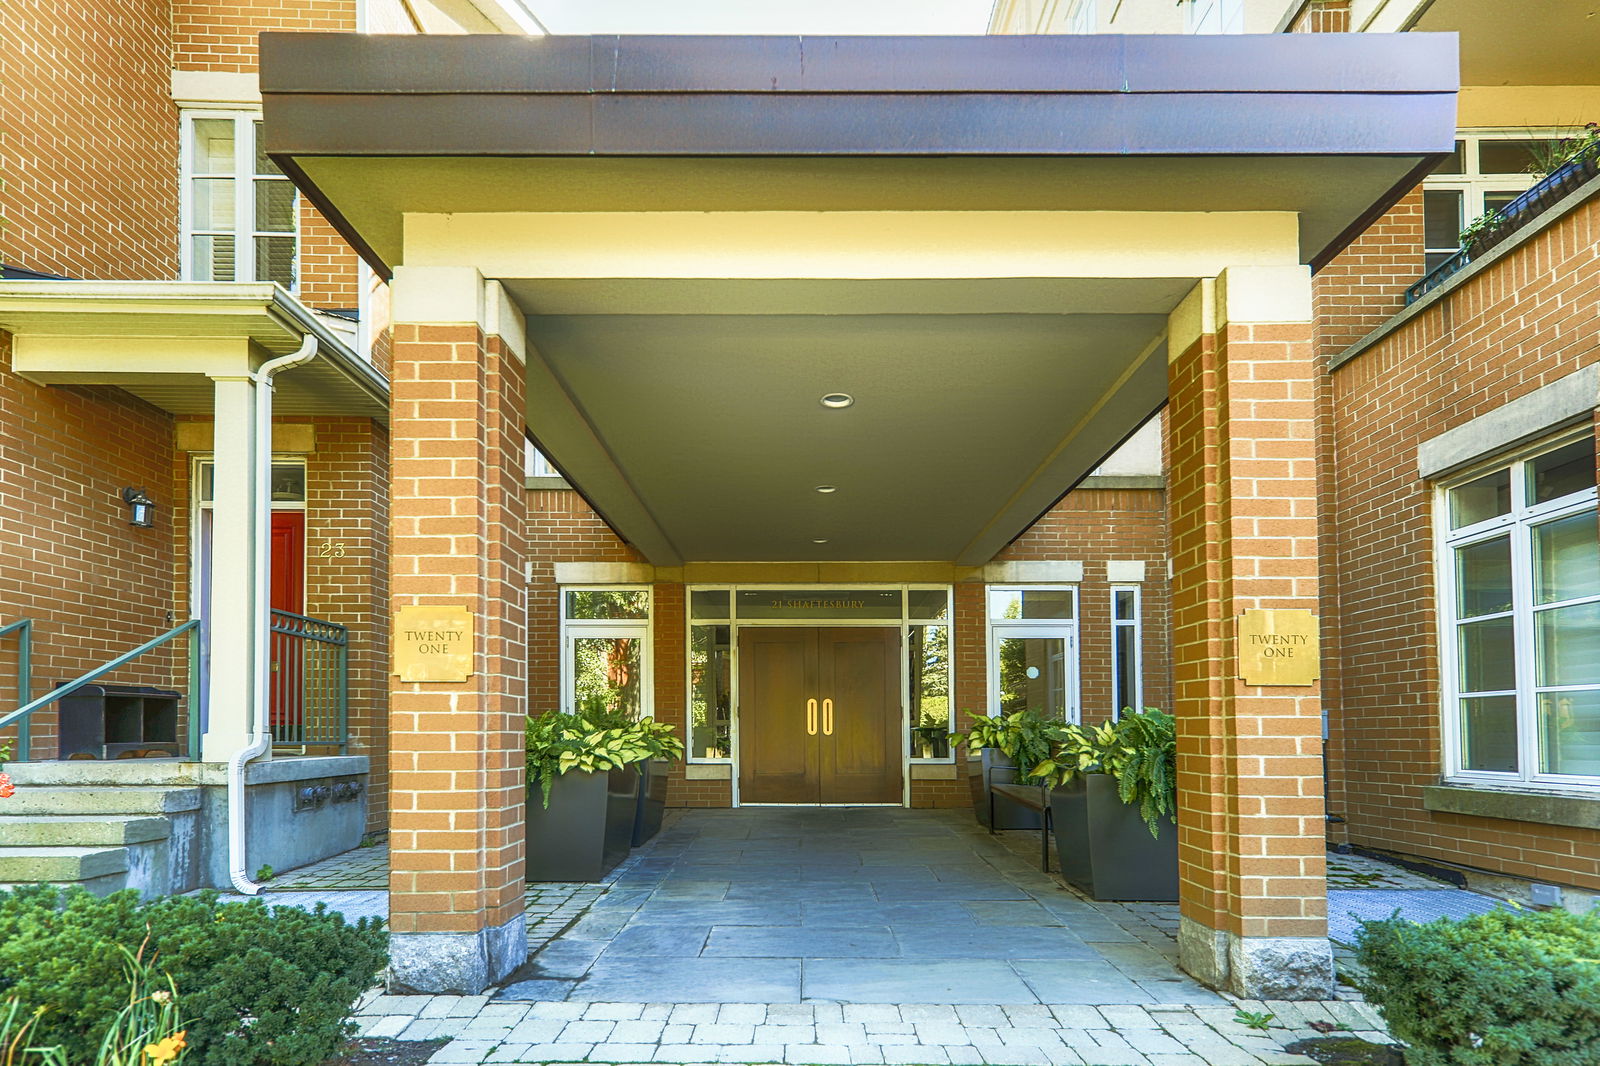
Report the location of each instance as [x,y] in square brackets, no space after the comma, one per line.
[7,789]
[164,1051]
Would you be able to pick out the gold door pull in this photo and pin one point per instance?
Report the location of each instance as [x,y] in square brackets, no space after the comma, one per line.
[811,718]
[827,718]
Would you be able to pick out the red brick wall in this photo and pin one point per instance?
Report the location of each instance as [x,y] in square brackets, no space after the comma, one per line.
[347,578]
[90,139]
[1523,323]
[94,585]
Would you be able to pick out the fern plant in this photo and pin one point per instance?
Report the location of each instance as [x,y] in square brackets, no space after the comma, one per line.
[1139,751]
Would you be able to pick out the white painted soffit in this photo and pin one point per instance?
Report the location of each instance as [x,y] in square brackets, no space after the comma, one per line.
[71,332]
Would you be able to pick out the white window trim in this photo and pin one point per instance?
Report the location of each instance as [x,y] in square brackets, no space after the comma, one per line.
[643,629]
[1136,623]
[1517,524]
[244,208]
[1475,184]
[1038,627]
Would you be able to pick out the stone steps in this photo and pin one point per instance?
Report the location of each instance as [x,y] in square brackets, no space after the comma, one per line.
[60,865]
[66,799]
[80,830]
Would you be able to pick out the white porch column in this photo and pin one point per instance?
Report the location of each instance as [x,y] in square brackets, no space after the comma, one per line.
[233,608]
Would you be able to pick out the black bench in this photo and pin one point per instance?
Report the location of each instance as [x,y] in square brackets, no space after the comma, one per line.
[1033,797]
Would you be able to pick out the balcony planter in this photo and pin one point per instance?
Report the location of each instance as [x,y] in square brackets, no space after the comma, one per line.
[587,828]
[1104,847]
[995,766]
[652,799]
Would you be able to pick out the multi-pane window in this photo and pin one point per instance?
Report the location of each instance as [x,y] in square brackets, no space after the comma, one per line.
[605,650]
[1214,16]
[1125,657]
[239,210]
[1082,18]
[1521,598]
[1486,172]
[1033,651]
[928,676]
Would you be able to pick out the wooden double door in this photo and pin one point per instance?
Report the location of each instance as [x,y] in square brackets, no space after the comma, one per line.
[819,715]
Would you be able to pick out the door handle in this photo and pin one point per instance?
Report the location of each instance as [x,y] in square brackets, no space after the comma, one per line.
[827,718]
[811,718]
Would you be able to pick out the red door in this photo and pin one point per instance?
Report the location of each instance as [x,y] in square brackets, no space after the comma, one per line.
[288,580]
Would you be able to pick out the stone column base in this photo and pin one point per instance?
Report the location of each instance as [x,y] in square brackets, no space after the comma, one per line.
[457,963]
[1257,967]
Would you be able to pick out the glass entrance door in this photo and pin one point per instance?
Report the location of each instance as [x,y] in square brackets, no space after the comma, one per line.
[1034,670]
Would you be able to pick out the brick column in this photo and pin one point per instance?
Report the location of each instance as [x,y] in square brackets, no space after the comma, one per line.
[1242,507]
[456,881]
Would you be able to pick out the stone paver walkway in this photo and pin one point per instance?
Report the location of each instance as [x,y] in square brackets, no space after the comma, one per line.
[360,868]
[485,1031]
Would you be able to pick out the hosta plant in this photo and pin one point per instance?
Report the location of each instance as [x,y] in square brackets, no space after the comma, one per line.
[1027,736]
[1140,752]
[558,742]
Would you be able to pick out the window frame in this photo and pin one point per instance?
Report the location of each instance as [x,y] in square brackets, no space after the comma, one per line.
[244,177]
[1136,623]
[1518,525]
[1036,627]
[636,628]
[1475,184]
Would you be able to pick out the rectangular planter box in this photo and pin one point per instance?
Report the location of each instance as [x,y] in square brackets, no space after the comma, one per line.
[652,800]
[1007,813]
[1104,848]
[588,827]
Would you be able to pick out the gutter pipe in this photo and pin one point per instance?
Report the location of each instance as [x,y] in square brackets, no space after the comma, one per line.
[260,739]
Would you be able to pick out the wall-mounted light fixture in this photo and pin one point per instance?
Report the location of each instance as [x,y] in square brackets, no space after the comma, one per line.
[141,508]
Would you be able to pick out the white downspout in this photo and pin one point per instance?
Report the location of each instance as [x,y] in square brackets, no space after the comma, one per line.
[261,532]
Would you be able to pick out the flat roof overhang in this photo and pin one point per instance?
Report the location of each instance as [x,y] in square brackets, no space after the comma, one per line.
[979,238]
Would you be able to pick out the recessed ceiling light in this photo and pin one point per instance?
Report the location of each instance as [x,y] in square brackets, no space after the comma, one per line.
[819,540]
[825,489]
[838,399]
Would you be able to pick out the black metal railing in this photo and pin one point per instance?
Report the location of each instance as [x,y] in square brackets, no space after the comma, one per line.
[1514,216]
[308,701]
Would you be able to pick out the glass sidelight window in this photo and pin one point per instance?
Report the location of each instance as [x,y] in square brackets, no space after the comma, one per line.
[1033,651]
[605,650]
[1126,664]
[1521,598]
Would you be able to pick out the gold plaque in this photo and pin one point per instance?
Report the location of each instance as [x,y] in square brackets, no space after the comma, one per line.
[1279,648]
[433,643]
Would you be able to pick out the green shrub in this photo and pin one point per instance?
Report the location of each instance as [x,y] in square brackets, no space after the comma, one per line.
[558,741]
[1508,988]
[259,987]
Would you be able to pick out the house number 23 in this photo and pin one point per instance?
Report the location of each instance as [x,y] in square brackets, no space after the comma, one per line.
[332,549]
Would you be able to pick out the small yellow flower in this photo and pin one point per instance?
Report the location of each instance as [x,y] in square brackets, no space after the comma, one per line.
[164,1051]
[161,995]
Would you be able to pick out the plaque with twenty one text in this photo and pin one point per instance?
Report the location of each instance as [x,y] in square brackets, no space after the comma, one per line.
[433,643]
[1279,648]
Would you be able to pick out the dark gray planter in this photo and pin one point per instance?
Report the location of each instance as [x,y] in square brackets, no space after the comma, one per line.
[588,827]
[994,765]
[652,800]
[1104,848]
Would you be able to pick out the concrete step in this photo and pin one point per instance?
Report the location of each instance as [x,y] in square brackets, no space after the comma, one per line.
[55,799]
[27,866]
[103,885]
[80,830]
[109,773]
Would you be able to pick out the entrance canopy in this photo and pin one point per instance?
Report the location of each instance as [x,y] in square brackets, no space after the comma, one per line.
[976,242]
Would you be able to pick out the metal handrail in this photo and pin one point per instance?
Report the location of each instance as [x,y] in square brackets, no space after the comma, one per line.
[24,680]
[21,713]
[310,703]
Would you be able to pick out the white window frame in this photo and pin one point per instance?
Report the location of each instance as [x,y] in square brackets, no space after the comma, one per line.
[1214,16]
[1475,184]
[1066,628]
[537,464]
[244,209]
[1082,17]
[1518,525]
[1136,623]
[632,628]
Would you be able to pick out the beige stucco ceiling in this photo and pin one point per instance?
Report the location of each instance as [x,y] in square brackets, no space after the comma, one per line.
[1543,42]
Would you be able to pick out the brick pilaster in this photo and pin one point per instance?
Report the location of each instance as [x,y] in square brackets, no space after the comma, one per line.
[456,882]
[1244,535]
